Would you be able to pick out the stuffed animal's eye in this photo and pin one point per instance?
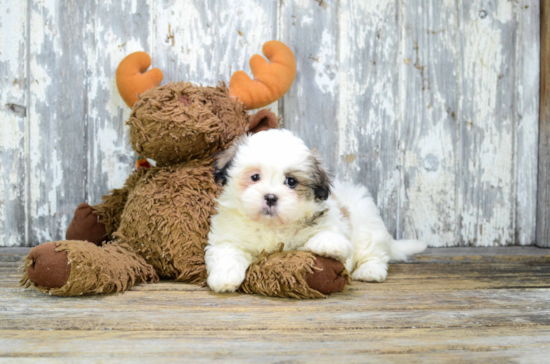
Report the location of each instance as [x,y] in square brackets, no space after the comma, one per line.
[291,182]
[255,177]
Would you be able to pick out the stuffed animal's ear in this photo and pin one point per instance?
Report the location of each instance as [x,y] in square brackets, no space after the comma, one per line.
[321,182]
[263,120]
[224,160]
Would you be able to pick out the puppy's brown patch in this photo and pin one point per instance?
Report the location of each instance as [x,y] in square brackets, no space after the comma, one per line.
[245,178]
[344,210]
[303,188]
[313,180]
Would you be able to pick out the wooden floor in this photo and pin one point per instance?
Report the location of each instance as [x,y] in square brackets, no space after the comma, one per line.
[448,305]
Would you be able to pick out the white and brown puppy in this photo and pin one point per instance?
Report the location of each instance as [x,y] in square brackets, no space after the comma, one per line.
[276,190]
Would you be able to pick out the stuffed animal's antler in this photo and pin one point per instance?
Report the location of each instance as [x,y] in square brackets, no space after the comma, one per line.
[131,78]
[271,80]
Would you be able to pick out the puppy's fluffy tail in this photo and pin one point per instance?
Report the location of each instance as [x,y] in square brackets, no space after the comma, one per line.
[401,249]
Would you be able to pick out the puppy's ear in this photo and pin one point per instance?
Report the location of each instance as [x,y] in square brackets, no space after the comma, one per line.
[320,179]
[223,160]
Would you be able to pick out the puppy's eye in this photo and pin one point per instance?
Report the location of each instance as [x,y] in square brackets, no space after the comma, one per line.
[291,182]
[255,177]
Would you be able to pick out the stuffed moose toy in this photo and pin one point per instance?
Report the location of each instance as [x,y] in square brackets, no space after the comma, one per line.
[156,226]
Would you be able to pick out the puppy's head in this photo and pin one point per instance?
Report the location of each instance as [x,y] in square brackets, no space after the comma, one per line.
[272,177]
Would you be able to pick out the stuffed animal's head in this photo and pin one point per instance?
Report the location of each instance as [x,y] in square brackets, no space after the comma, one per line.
[180,121]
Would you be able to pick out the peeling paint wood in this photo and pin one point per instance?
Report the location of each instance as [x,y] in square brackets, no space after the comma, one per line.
[484,191]
[13,118]
[428,112]
[118,29]
[57,116]
[311,105]
[543,194]
[526,114]
[452,159]
[204,42]
[368,101]
[431,104]
[486,194]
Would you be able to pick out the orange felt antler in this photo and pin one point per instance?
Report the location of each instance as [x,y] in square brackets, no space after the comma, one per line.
[271,80]
[131,79]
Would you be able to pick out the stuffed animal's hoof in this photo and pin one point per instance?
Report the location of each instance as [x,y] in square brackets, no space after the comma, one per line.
[86,226]
[330,278]
[48,268]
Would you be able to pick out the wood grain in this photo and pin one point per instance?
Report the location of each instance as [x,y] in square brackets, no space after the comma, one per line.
[13,125]
[311,105]
[428,136]
[543,193]
[487,127]
[410,345]
[527,97]
[116,29]
[424,97]
[441,309]
[57,156]
[433,105]
[368,150]
[206,41]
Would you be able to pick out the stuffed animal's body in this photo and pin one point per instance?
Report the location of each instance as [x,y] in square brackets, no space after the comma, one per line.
[156,226]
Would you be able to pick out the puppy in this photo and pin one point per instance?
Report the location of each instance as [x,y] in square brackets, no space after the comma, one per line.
[276,190]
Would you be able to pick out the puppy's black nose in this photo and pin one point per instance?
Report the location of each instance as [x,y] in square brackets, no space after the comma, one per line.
[271,199]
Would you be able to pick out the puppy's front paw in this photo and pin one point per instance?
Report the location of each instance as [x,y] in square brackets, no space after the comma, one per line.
[372,271]
[225,281]
[331,245]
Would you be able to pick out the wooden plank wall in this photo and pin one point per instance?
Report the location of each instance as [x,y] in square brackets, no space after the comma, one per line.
[434,105]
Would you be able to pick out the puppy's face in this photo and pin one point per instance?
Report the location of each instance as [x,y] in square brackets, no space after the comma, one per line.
[272,177]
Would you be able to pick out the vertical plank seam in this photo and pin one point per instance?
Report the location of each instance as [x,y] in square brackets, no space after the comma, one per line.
[459,149]
[153,23]
[89,43]
[537,108]
[278,32]
[515,122]
[89,192]
[336,146]
[27,171]
[400,113]
[543,185]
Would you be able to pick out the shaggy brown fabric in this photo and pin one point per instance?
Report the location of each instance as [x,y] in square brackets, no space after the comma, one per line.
[86,226]
[111,268]
[283,274]
[110,210]
[46,267]
[167,219]
[170,131]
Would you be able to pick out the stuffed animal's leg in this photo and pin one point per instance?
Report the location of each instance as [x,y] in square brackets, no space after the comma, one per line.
[97,224]
[295,275]
[73,268]
[87,226]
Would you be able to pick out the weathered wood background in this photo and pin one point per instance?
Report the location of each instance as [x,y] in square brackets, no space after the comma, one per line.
[432,104]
